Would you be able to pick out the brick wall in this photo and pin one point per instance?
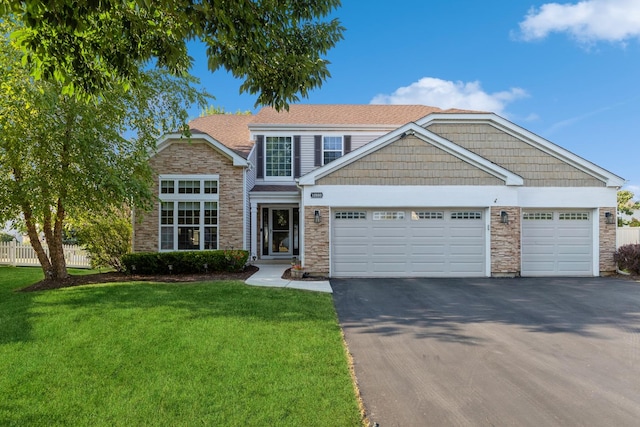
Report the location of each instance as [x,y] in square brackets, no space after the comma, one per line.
[607,241]
[184,157]
[316,240]
[505,242]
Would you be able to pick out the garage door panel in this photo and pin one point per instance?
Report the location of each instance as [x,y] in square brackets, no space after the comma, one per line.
[418,250]
[415,243]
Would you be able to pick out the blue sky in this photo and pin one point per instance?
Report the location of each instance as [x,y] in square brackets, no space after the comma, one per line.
[566,71]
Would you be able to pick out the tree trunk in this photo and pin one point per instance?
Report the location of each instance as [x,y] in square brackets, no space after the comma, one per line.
[34,238]
[55,247]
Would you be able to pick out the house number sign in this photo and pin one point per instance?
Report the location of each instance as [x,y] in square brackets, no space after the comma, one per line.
[316,195]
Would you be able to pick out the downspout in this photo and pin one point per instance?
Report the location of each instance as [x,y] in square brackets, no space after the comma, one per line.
[301,224]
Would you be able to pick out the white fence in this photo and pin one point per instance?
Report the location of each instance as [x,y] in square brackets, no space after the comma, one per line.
[628,235]
[18,254]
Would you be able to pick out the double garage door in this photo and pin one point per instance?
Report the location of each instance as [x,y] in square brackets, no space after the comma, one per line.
[453,243]
[408,242]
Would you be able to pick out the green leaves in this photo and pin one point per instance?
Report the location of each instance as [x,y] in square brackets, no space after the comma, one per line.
[90,46]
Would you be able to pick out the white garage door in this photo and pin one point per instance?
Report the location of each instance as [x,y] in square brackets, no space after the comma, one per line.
[557,243]
[408,243]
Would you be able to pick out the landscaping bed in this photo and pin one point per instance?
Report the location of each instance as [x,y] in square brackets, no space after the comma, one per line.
[111,277]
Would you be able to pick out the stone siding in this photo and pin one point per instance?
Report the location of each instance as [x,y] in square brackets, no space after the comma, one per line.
[410,161]
[537,168]
[607,241]
[194,158]
[505,242]
[316,240]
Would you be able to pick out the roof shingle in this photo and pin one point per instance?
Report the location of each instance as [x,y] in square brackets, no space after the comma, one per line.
[233,130]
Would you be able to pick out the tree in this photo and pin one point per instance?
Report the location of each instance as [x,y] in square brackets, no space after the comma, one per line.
[275,46]
[61,157]
[626,205]
[210,110]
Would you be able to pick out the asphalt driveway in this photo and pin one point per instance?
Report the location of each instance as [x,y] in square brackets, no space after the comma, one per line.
[494,352]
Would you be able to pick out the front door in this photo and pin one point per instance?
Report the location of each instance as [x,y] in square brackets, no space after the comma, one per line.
[280,231]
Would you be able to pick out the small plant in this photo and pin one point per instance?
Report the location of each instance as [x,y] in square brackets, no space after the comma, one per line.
[628,258]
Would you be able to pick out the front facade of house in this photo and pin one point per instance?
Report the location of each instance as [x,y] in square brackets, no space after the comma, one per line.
[383,191]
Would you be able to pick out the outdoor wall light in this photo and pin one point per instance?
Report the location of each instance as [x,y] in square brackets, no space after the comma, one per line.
[609,218]
[316,217]
[504,217]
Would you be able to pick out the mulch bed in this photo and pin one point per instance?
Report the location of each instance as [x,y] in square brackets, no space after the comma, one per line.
[90,279]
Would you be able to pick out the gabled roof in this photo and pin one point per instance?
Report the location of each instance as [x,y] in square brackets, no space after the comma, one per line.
[413,129]
[232,130]
[171,138]
[530,138]
[346,114]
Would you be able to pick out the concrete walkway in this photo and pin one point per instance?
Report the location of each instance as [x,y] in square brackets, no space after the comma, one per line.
[270,275]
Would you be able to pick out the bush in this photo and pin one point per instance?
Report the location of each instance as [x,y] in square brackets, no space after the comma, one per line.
[628,258]
[106,235]
[185,262]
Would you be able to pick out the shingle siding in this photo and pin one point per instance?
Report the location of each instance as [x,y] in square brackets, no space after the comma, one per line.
[409,161]
[537,168]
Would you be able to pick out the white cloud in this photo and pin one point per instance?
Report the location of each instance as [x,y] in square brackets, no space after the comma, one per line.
[587,21]
[447,94]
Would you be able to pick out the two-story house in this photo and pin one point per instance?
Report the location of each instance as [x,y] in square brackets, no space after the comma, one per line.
[382,191]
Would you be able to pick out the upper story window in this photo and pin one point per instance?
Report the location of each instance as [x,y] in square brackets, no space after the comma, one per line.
[331,148]
[278,157]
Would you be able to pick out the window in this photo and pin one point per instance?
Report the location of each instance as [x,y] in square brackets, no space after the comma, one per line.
[466,215]
[537,216]
[426,215]
[278,157]
[384,215]
[188,217]
[331,148]
[574,216]
[350,215]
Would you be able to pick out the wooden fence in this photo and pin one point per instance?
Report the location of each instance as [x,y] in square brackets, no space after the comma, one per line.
[628,235]
[18,254]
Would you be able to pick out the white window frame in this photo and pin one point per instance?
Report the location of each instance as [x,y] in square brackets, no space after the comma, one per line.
[341,150]
[176,198]
[268,177]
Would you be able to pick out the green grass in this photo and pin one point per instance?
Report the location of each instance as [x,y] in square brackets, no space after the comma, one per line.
[153,354]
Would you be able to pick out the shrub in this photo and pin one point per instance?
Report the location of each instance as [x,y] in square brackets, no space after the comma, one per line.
[628,258]
[106,235]
[185,262]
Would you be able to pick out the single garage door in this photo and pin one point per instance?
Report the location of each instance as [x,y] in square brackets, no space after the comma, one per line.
[557,243]
[408,243]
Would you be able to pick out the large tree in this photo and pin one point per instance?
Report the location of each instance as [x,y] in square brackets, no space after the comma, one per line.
[276,46]
[61,157]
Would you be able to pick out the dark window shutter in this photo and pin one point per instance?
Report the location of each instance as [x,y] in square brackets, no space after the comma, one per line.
[347,144]
[260,156]
[296,156]
[317,145]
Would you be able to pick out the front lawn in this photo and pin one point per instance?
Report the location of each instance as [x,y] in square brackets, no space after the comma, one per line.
[166,354]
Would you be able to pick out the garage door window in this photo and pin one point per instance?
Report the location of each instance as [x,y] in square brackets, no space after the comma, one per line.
[385,216]
[466,215]
[415,216]
[538,216]
[350,215]
[574,216]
